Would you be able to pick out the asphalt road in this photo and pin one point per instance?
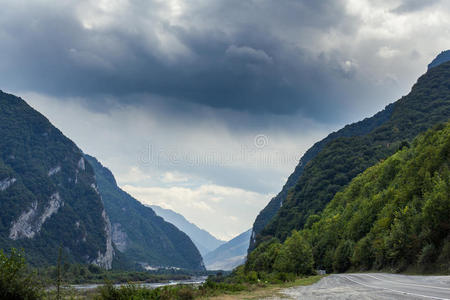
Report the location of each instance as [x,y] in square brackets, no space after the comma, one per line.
[374,286]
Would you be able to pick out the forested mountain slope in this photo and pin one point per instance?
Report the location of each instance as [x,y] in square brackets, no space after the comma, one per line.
[138,233]
[395,216]
[355,129]
[343,158]
[48,196]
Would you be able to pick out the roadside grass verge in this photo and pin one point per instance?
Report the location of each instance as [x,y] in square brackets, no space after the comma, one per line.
[262,290]
[208,290]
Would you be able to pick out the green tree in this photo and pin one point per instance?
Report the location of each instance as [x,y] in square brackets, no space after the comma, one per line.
[295,256]
[363,255]
[342,256]
[444,258]
[16,282]
[263,257]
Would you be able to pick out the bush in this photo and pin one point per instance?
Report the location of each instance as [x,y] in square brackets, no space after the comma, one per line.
[126,292]
[444,258]
[186,293]
[283,277]
[427,256]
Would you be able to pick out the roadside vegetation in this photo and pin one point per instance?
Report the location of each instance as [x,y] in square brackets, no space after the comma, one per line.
[214,288]
[19,281]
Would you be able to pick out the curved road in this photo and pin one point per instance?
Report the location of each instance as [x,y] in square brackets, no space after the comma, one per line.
[374,286]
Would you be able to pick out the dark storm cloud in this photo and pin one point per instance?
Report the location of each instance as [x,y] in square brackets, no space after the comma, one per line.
[199,80]
[241,55]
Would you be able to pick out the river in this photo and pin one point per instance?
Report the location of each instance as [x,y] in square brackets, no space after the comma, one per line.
[194,280]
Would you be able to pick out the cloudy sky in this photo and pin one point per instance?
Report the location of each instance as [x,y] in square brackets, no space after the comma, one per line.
[205,107]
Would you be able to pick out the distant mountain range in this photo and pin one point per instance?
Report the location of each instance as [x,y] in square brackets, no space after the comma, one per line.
[204,241]
[217,254]
[52,196]
[229,255]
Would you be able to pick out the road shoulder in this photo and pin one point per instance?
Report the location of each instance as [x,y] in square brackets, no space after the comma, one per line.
[269,291]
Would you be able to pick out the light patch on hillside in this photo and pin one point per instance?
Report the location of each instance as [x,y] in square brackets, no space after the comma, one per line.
[6,183]
[29,224]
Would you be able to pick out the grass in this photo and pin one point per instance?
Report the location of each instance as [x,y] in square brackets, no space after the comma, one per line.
[258,291]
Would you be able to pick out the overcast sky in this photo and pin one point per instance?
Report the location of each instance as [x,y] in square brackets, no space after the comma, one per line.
[205,107]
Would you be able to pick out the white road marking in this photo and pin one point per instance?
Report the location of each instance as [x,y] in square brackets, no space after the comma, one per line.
[398,282]
[395,291]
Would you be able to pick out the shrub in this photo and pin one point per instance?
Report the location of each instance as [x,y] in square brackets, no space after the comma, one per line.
[444,258]
[428,255]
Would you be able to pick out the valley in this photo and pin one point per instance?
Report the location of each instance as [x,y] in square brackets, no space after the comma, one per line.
[382,201]
[181,150]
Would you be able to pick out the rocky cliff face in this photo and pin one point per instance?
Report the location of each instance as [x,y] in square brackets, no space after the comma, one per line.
[105,260]
[48,196]
[30,222]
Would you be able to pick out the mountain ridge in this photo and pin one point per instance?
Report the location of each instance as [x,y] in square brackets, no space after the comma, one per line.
[357,128]
[443,57]
[395,215]
[345,157]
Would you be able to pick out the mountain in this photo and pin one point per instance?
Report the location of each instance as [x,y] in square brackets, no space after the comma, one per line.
[48,196]
[341,159]
[395,216]
[204,241]
[443,57]
[229,255]
[360,128]
[139,234]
